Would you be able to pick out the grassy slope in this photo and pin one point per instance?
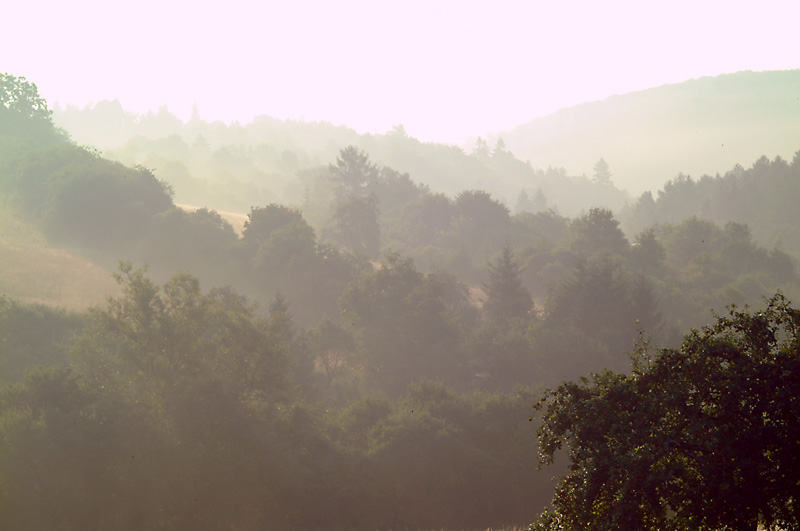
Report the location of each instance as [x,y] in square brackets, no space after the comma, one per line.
[33,271]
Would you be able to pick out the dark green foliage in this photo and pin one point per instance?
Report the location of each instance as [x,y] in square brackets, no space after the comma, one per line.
[165,424]
[479,225]
[538,240]
[356,212]
[507,300]
[394,189]
[701,437]
[24,116]
[334,348]
[440,448]
[648,254]
[80,199]
[357,420]
[644,305]
[262,222]
[716,266]
[158,338]
[594,298]
[300,363]
[763,197]
[592,318]
[690,239]
[279,252]
[541,226]
[353,174]
[564,351]
[200,241]
[279,241]
[500,353]
[598,232]
[480,207]
[356,226]
[188,409]
[21,97]
[404,326]
[425,220]
[502,356]
[176,414]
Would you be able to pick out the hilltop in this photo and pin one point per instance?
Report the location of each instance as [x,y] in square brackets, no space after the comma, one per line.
[648,137]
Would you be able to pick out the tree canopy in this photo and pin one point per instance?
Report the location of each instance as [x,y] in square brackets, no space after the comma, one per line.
[21,97]
[706,436]
[353,173]
[24,116]
[507,299]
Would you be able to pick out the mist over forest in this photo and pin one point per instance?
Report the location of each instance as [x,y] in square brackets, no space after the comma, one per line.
[291,325]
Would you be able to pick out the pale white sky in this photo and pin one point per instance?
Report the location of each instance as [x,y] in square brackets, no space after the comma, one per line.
[445,70]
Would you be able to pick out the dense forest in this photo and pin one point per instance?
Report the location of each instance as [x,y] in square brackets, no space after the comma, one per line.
[364,350]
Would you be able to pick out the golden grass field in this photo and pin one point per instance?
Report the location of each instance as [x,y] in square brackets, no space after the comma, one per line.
[32,271]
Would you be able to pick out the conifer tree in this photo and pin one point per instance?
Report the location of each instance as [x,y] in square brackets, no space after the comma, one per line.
[353,174]
[507,299]
[602,174]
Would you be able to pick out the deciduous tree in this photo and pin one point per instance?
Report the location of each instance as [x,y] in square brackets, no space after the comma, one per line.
[706,436]
[598,232]
[19,98]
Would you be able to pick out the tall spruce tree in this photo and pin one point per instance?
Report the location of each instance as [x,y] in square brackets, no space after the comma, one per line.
[353,174]
[507,299]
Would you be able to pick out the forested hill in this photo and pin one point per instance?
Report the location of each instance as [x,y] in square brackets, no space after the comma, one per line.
[647,137]
[234,166]
[367,361]
[764,197]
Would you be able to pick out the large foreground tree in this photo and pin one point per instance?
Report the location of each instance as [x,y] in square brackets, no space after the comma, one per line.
[704,437]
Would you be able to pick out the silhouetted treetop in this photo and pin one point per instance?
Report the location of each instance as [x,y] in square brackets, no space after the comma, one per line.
[507,299]
[353,173]
[21,98]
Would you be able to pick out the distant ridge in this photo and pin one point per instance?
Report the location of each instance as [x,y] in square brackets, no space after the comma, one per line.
[700,126]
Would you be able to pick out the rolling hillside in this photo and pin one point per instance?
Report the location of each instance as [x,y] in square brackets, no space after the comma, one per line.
[701,126]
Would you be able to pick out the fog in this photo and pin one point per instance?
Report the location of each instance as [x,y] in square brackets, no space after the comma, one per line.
[447,71]
[440,266]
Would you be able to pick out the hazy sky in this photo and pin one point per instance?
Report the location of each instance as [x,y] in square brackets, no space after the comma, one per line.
[445,70]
